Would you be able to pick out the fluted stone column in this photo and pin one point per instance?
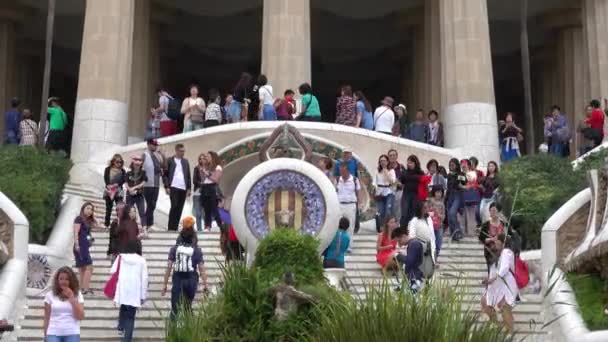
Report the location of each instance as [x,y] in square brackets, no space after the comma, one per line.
[595,23]
[573,76]
[7,67]
[419,64]
[139,104]
[469,110]
[104,84]
[432,52]
[286,54]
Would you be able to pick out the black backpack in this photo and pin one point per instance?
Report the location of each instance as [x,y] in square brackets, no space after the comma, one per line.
[174,109]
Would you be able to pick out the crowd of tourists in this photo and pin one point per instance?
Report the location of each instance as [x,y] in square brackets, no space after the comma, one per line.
[417,209]
[21,129]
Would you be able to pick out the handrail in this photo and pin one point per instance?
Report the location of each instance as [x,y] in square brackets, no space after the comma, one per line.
[13,273]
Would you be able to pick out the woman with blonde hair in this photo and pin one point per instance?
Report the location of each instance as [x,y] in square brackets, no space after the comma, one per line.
[211,175]
[114,177]
[63,308]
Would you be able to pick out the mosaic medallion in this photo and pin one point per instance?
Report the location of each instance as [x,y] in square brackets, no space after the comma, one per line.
[285,199]
[38,271]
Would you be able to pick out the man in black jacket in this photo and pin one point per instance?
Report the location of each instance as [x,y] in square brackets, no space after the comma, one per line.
[178,183]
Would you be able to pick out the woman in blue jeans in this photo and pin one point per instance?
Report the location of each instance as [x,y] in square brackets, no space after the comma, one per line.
[385,195]
[63,308]
[132,287]
[185,259]
[456,183]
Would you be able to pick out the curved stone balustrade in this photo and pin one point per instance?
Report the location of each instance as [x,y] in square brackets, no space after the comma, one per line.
[573,239]
[560,307]
[14,227]
[44,260]
[367,144]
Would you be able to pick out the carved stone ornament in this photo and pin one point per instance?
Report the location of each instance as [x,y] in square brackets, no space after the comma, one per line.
[279,144]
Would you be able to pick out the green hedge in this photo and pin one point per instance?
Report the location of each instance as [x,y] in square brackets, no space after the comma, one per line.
[276,254]
[34,181]
[543,183]
[591,293]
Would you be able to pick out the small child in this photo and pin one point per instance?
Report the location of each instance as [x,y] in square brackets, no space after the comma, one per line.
[229,242]
[437,214]
[286,106]
[213,113]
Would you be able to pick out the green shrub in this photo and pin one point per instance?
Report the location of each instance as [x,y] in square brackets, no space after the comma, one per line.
[435,314]
[34,181]
[286,249]
[244,311]
[591,293]
[542,184]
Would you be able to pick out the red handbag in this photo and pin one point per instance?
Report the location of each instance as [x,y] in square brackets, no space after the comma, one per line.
[110,288]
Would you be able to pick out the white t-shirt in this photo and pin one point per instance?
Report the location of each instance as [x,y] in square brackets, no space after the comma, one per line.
[209,180]
[178,181]
[384,119]
[62,321]
[347,190]
[266,94]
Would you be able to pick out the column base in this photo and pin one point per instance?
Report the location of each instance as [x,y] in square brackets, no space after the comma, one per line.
[99,125]
[471,129]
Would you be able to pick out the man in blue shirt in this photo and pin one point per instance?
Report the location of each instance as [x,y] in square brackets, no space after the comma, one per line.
[334,254]
[12,118]
[347,157]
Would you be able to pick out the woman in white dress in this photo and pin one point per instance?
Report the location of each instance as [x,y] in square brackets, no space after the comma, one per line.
[421,227]
[502,289]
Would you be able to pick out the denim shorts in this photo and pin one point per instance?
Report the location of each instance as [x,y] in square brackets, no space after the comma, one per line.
[234,111]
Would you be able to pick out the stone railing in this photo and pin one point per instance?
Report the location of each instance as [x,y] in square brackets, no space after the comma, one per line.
[573,239]
[562,312]
[44,260]
[564,229]
[14,234]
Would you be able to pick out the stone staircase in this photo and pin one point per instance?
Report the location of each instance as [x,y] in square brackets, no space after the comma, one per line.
[461,263]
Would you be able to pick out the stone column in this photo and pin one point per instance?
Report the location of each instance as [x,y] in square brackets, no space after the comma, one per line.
[595,24]
[286,54]
[419,64]
[7,67]
[432,52]
[573,76]
[469,110]
[104,84]
[139,105]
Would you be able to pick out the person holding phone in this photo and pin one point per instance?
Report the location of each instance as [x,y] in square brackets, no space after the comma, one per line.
[63,308]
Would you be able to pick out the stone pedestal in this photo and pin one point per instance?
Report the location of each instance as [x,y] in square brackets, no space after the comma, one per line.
[286,53]
[101,114]
[469,110]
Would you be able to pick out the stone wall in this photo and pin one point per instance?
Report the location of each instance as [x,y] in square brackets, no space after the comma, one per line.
[572,232]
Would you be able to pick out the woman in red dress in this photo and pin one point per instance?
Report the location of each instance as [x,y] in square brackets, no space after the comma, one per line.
[386,246]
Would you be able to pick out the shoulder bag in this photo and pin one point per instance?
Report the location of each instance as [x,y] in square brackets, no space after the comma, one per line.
[109,289]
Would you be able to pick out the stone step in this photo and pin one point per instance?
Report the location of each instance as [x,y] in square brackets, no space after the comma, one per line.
[97,334]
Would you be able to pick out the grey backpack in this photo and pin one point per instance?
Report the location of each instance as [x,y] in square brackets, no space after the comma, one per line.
[428,266]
